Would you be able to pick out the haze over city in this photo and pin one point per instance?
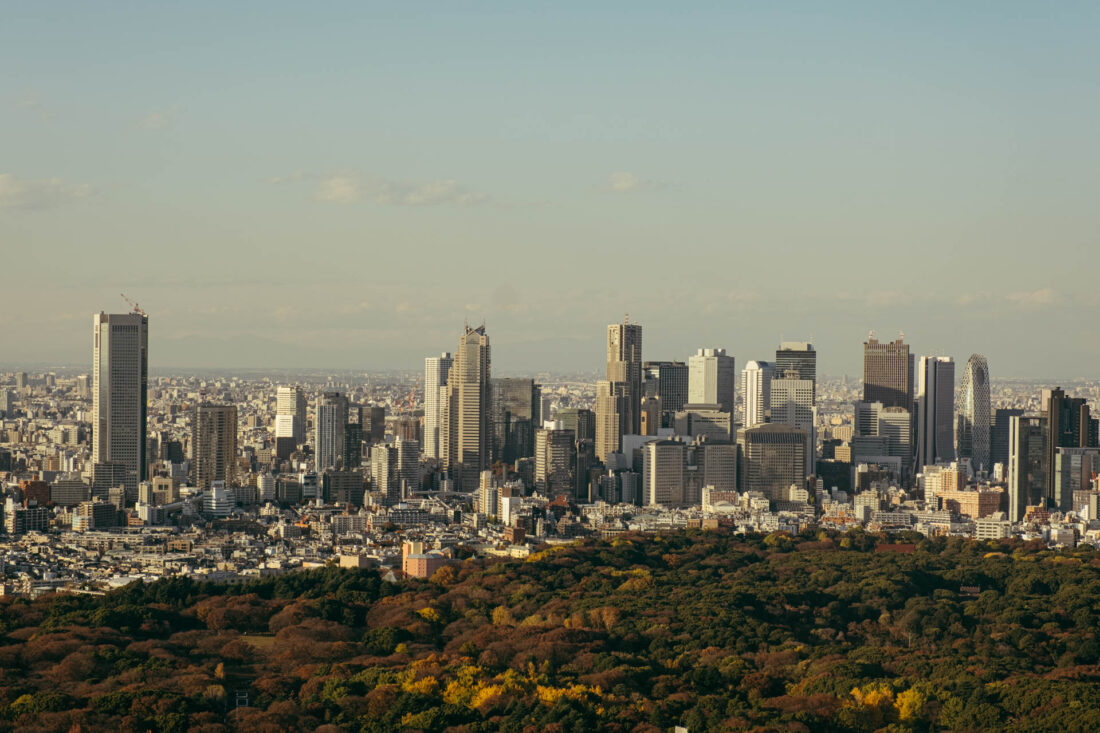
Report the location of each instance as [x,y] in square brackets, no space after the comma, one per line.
[286,186]
[468,367]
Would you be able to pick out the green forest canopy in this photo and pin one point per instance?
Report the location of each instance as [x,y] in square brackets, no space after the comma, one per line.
[706,630]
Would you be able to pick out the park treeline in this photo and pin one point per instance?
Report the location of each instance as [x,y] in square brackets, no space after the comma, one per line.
[817,632]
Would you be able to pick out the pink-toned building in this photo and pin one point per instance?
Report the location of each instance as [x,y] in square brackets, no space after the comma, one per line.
[418,562]
[974,504]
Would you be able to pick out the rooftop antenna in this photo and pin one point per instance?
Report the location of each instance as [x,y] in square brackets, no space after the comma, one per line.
[626,319]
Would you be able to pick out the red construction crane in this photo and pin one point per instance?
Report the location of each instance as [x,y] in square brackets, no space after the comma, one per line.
[136,307]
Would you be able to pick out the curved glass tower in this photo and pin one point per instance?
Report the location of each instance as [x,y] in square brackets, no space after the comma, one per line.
[973,424]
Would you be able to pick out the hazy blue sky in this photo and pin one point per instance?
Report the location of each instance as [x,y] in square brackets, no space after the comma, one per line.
[338,184]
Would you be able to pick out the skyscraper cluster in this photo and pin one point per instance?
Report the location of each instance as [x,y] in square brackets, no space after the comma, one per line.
[660,433]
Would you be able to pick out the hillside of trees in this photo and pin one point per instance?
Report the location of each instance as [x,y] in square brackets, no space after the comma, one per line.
[705,630]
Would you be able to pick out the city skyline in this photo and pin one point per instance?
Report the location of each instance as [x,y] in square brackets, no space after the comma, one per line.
[953,145]
[581,367]
[575,366]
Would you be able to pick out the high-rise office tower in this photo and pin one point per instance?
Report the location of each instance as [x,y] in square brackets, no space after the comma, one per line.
[888,373]
[514,406]
[668,381]
[466,413]
[214,444]
[555,460]
[353,441]
[374,418]
[973,424]
[792,403]
[717,464]
[712,379]
[998,434]
[624,365]
[883,432]
[773,457]
[1027,475]
[756,390]
[663,468]
[290,420]
[120,392]
[7,402]
[436,370]
[896,425]
[1066,424]
[800,357]
[407,471]
[1074,469]
[290,413]
[328,429]
[383,465]
[612,417]
[935,405]
[106,476]
[581,421]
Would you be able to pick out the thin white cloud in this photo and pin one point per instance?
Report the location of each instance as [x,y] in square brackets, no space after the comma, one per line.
[971,298]
[1040,298]
[26,193]
[352,188]
[624,182]
[431,193]
[159,119]
[339,190]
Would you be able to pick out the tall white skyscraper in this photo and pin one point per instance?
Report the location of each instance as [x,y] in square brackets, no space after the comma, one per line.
[973,434]
[712,379]
[436,370]
[935,405]
[792,403]
[329,424]
[290,414]
[120,392]
[756,391]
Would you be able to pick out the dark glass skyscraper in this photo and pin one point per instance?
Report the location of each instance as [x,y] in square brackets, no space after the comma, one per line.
[515,405]
[800,357]
[888,373]
[998,434]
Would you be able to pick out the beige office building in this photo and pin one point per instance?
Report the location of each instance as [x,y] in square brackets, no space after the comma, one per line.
[465,428]
[214,441]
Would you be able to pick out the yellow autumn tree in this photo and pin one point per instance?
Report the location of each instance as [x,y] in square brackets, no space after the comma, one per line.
[909,704]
